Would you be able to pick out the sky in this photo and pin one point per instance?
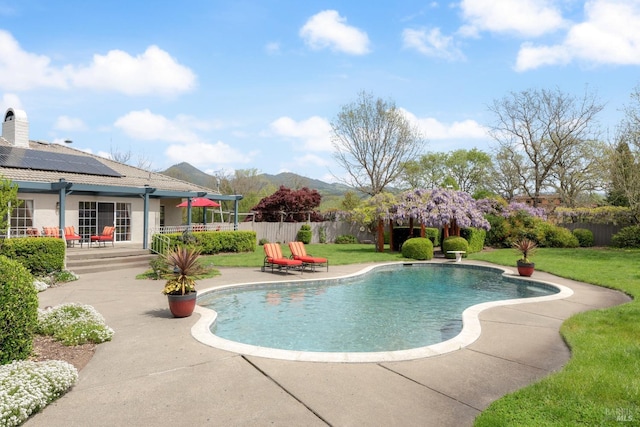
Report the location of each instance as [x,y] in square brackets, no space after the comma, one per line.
[255,84]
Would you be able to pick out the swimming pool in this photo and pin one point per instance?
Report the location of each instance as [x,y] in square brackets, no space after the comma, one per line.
[396,310]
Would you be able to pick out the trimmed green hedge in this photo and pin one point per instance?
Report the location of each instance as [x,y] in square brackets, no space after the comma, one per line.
[18,310]
[214,242]
[628,237]
[455,243]
[304,234]
[419,248]
[475,237]
[40,255]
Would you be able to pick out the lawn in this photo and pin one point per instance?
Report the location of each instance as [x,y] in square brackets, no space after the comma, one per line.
[601,383]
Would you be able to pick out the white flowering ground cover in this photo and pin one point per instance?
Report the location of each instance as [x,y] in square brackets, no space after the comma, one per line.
[73,324]
[26,387]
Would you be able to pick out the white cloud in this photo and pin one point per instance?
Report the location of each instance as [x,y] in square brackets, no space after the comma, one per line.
[66,123]
[432,129]
[147,126]
[431,43]
[607,36]
[10,100]
[206,154]
[329,29]
[529,18]
[314,133]
[155,71]
[20,70]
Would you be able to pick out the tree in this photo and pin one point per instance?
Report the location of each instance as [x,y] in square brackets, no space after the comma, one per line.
[143,162]
[350,201]
[441,208]
[536,129]
[622,164]
[289,206]
[469,168]
[372,140]
[8,201]
[247,182]
[579,172]
[505,179]
[625,162]
[427,172]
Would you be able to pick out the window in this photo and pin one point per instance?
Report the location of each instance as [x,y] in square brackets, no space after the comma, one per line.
[87,219]
[22,218]
[123,222]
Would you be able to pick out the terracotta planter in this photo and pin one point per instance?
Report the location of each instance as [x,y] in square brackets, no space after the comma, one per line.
[182,305]
[526,268]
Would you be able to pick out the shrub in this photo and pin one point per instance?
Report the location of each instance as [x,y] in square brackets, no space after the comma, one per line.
[263,241]
[584,236]
[454,243]
[74,324]
[551,236]
[345,239]
[497,235]
[432,234]
[213,242]
[419,248]
[18,310]
[475,237]
[628,237]
[304,234]
[40,255]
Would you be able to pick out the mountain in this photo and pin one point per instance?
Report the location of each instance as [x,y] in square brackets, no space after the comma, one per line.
[190,173]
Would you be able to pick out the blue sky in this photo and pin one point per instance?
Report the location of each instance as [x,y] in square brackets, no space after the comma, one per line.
[228,85]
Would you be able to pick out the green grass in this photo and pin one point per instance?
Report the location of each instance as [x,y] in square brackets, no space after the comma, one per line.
[601,383]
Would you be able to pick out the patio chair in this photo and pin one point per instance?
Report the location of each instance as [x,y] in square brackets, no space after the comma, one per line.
[104,237]
[299,252]
[51,232]
[274,258]
[71,236]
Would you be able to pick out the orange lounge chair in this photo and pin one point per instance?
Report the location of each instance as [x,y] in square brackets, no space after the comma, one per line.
[299,252]
[51,232]
[274,258]
[71,236]
[104,237]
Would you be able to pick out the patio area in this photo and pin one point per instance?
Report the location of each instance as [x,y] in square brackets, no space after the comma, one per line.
[155,373]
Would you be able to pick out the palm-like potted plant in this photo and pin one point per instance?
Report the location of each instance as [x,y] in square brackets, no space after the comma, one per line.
[181,286]
[526,247]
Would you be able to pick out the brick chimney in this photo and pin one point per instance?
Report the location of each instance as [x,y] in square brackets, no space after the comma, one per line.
[15,128]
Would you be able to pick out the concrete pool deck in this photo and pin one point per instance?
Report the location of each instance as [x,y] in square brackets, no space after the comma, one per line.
[155,373]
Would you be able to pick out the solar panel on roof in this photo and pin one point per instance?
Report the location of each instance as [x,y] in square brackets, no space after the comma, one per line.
[13,157]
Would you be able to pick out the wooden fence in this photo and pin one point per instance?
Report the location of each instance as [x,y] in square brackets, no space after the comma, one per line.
[284,232]
[602,233]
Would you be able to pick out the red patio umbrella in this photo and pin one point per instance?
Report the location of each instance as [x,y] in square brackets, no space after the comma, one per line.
[200,202]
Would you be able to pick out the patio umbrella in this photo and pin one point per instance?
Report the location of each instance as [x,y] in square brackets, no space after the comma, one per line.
[200,202]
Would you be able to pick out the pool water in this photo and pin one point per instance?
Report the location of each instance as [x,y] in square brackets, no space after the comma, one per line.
[391,308]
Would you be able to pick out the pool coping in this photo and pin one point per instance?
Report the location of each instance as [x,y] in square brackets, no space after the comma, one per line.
[471,329]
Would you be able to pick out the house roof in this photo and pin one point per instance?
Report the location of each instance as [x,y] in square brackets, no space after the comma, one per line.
[132,180]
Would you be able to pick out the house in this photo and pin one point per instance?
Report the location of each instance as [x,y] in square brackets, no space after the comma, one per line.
[61,186]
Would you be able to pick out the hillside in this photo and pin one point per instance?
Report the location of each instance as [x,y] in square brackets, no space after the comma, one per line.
[189,173]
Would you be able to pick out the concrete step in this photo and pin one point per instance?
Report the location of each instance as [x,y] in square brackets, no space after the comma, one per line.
[92,260]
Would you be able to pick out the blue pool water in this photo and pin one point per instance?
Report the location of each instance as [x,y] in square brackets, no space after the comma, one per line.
[391,308]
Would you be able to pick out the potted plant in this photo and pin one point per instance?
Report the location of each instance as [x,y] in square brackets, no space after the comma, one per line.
[180,288]
[526,247]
